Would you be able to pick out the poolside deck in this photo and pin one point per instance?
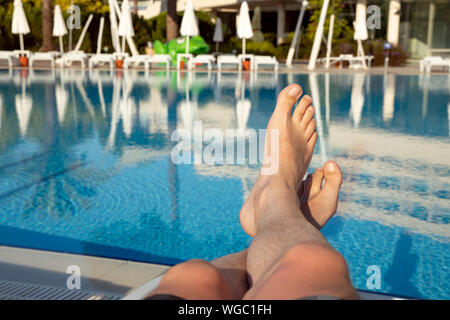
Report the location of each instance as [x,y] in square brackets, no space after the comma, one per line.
[409,68]
[98,275]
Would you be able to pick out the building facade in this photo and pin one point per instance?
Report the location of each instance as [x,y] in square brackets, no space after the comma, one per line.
[420,27]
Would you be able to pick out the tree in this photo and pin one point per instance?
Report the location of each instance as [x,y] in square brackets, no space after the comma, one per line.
[135,11]
[171,20]
[258,36]
[341,27]
[47,25]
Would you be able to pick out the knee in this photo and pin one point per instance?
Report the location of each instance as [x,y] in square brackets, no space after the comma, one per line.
[200,272]
[314,257]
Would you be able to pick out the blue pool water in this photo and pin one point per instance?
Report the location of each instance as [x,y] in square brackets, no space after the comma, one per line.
[85,167]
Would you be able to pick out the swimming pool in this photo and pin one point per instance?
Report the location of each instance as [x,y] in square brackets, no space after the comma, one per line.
[85,167]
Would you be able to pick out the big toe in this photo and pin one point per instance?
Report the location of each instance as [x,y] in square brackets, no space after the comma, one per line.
[333,179]
[287,98]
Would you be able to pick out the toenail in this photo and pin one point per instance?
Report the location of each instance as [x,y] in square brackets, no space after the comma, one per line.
[294,92]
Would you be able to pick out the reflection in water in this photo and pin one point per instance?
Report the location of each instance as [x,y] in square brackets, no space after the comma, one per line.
[389,97]
[90,160]
[357,100]
[23,108]
[243,107]
[319,124]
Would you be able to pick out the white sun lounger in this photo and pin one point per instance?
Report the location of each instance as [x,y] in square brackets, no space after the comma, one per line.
[228,59]
[9,56]
[44,56]
[207,59]
[427,63]
[102,59]
[159,58]
[136,60]
[74,56]
[265,60]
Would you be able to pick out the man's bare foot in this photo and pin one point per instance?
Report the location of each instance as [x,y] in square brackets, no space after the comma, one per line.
[297,138]
[319,203]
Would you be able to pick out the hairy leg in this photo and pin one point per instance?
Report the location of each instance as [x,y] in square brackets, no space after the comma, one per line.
[285,240]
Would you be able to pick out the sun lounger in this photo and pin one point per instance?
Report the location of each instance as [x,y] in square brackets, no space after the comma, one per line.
[44,56]
[136,60]
[228,59]
[265,60]
[427,63]
[207,59]
[353,62]
[9,56]
[159,58]
[102,59]
[73,56]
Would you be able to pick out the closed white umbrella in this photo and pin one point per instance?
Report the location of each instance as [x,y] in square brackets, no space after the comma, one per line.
[189,25]
[360,29]
[59,26]
[19,22]
[126,23]
[218,33]
[244,28]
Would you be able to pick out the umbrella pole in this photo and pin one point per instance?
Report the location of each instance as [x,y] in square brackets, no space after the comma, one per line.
[187,45]
[243,46]
[123,44]
[217,47]
[61,48]
[21,42]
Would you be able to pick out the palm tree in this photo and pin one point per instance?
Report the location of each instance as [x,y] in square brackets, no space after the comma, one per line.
[47,25]
[135,11]
[171,20]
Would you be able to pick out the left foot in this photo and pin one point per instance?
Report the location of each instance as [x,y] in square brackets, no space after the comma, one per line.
[318,204]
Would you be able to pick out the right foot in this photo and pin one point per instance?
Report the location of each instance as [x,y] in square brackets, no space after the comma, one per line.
[297,138]
[318,204]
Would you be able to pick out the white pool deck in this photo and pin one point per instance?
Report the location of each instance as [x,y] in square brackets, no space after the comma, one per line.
[40,270]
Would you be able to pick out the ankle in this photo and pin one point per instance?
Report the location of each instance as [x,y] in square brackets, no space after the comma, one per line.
[275,192]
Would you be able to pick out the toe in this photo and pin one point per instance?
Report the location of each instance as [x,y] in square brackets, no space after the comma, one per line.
[287,98]
[316,184]
[304,103]
[310,129]
[333,179]
[311,143]
[307,117]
